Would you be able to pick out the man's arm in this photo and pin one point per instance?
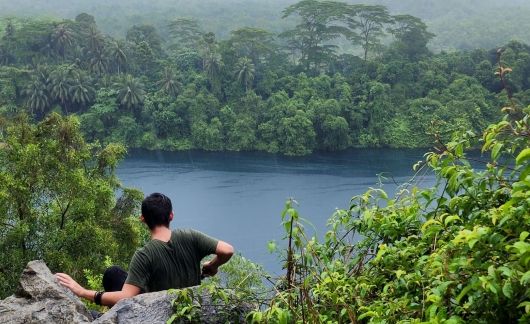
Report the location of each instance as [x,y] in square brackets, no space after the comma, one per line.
[223,253]
[107,299]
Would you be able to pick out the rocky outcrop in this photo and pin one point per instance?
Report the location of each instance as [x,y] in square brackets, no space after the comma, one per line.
[40,299]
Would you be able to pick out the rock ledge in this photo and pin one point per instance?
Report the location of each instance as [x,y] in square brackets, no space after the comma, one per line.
[40,299]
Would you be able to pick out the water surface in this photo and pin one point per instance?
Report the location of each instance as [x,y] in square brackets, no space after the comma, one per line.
[238,197]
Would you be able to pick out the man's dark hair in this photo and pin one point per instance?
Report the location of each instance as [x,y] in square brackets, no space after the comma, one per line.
[156,209]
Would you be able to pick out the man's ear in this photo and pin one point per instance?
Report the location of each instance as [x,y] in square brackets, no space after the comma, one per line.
[142,219]
[171,216]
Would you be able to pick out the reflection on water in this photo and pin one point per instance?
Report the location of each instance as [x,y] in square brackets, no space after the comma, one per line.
[238,197]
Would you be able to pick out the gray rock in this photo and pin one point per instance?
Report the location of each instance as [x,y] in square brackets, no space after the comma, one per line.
[145,308]
[40,299]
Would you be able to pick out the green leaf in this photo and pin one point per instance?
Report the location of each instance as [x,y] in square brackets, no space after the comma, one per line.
[526,306]
[271,246]
[367,314]
[463,293]
[523,156]
[523,236]
[507,290]
[450,219]
[495,150]
[525,278]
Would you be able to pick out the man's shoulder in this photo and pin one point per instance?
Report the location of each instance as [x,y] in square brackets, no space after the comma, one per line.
[183,234]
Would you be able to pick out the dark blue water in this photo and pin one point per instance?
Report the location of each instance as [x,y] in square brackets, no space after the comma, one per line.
[238,197]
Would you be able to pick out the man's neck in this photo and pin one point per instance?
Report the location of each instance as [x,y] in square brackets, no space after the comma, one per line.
[161,233]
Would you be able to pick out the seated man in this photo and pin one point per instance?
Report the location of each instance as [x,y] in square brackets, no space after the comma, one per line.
[170,260]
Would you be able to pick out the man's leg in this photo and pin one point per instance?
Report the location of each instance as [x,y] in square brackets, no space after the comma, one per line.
[114,278]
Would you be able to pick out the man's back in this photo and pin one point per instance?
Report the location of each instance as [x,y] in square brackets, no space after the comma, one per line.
[175,264]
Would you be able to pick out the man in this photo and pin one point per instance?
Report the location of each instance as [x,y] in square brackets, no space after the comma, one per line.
[170,260]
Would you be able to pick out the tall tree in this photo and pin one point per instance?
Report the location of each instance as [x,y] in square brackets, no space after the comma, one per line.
[212,61]
[185,33]
[368,22]
[245,72]
[320,24]
[62,38]
[255,43]
[118,56]
[7,46]
[411,35]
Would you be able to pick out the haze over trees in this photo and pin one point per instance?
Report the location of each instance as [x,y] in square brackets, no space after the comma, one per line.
[457,24]
[182,87]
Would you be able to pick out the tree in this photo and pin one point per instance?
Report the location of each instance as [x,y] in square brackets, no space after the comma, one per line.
[81,92]
[255,43]
[208,136]
[131,93]
[60,83]
[368,22]
[411,35]
[320,24]
[169,83]
[145,33]
[212,61]
[93,39]
[43,169]
[62,38]
[296,134]
[118,56]
[8,44]
[245,72]
[98,61]
[38,97]
[185,33]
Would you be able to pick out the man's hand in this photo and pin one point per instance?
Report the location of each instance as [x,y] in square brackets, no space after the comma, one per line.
[67,281]
[223,253]
[209,269]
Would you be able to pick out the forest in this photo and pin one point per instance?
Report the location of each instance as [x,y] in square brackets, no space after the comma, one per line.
[289,93]
[74,96]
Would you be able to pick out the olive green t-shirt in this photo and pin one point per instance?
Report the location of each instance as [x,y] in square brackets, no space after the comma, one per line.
[174,264]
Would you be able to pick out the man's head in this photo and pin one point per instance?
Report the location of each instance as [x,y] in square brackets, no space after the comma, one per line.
[157,210]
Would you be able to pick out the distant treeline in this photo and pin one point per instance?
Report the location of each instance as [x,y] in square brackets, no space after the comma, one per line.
[457,24]
[291,93]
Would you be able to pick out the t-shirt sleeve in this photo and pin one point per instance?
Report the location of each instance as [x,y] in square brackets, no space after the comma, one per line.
[205,244]
[139,271]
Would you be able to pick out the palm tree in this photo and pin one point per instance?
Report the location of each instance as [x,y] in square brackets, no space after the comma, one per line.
[169,83]
[117,52]
[211,59]
[38,97]
[245,72]
[98,62]
[131,92]
[81,92]
[59,86]
[94,39]
[62,38]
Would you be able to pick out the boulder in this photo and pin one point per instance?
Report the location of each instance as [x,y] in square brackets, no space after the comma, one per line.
[40,299]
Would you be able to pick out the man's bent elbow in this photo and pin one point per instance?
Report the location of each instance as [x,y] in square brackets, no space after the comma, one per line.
[225,249]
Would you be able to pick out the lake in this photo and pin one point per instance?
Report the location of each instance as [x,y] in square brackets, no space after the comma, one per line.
[238,197]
